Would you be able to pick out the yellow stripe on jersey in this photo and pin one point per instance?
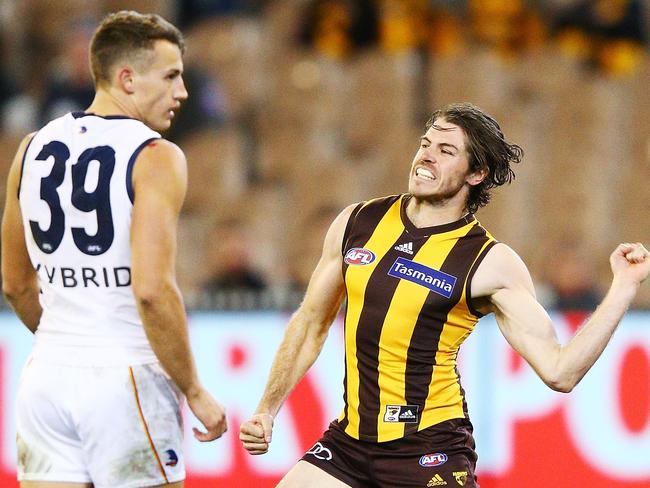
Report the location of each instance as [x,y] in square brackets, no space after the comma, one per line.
[444,390]
[398,327]
[356,277]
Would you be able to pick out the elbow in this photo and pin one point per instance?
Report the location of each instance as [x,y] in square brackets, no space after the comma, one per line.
[7,293]
[561,387]
[147,300]
[560,384]
[13,291]
[150,295]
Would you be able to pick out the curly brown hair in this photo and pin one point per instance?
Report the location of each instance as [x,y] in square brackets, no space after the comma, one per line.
[128,35]
[486,147]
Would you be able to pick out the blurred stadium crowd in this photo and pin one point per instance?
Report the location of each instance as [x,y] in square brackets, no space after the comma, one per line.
[300,107]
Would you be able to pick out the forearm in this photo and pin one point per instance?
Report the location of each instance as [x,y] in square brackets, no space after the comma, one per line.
[299,349]
[581,352]
[26,305]
[165,324]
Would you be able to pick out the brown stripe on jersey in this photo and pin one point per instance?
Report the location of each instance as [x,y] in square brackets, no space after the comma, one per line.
[462,393]
[468,300]
[343,420]
[433,317]
[357,233]
[379,293]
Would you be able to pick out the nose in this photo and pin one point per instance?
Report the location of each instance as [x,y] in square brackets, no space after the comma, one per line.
[427,156]
[181,91]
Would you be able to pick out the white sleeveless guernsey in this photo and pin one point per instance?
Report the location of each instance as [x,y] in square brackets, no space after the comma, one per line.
[76,200]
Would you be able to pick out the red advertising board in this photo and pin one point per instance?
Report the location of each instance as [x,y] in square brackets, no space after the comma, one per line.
[527,435]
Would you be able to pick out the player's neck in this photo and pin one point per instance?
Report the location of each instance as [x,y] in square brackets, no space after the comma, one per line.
[424,213]
[107,103]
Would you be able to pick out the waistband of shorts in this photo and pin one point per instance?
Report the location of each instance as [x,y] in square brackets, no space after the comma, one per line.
[91,356]
[456,426]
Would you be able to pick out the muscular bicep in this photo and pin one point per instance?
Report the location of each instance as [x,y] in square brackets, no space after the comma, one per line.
[159,182]
[326,287]
[503,281]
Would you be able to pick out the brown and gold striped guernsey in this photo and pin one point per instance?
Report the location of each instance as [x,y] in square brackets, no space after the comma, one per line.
[407,314]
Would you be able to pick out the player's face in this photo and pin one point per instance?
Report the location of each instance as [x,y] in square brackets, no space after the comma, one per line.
[440,169]
[159,87]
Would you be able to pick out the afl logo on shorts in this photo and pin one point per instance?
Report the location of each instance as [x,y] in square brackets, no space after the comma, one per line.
[433,460]
[359,255]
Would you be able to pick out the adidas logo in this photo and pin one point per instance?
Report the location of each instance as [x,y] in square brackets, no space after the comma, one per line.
[407,415]
[407,247]
[436,481]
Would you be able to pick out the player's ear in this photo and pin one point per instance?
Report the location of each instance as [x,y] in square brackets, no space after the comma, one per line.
[477,176]
[125,79]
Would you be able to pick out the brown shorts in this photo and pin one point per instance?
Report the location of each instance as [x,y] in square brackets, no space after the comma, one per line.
[442,455]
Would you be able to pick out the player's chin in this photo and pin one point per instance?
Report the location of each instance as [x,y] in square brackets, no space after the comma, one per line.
[165,124]
[420,192]
[162,124]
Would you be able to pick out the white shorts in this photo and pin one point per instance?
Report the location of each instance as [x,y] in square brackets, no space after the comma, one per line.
[110,426]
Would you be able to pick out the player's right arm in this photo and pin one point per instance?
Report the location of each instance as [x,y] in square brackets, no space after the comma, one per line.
[504,280]
[19,279]
[160,183]
[303,338]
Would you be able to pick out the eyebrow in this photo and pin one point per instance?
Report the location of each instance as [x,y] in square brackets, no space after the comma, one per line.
[425,138]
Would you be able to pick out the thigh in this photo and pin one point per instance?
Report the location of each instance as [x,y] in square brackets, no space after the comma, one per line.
[132,430]
[306,475]
[48,446]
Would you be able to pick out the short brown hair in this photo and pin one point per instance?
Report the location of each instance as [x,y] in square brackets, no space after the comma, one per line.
[128,35]
[486,147]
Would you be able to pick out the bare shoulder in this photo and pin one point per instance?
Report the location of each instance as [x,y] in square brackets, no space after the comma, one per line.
[344,216]
[22,147]
[341,221]
[501,268]
[334,237]
[25,141]
[16,165]
[160,161]
[161,151]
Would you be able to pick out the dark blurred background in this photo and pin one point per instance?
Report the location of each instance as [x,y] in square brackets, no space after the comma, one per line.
[300,107]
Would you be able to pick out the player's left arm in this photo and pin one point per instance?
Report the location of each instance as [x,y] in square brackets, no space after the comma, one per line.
[19,278]
[504,286]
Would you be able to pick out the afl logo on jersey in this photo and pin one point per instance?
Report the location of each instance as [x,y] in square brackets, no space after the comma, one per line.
[433,460]
[359,255]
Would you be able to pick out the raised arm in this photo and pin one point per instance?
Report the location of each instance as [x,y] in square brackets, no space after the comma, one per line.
[503,283]
[159,183]
[303,338]
[19,279]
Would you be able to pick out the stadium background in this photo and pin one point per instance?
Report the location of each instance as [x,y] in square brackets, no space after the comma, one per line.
[300,107]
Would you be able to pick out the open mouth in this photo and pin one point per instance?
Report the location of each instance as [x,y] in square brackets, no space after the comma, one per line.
[424,174]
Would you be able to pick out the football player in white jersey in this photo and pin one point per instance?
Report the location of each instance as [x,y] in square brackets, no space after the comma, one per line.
[88,257]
